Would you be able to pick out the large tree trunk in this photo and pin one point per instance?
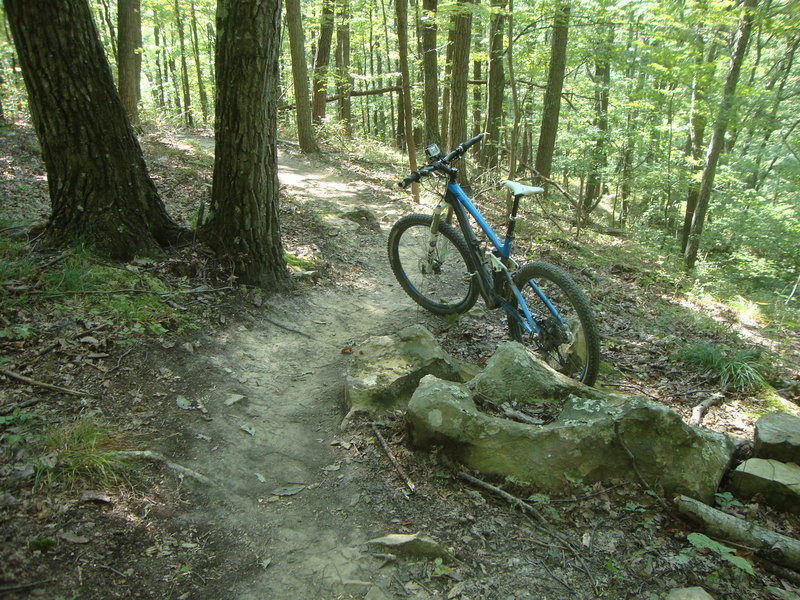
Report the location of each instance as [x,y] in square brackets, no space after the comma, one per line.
[458,79]
[430,72]
[726,110]
[100,191]
[322,59]
[129,56]
[305,131]
[552,95]
[495,87]
[401,7]
[244,226]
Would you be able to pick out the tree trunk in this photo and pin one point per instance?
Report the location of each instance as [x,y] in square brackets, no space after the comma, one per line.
[552,95]
[244,226]
[495,87]
[514,137]
[100,191]
[160,70]
[430,72]
[401,7]
[187,97]
[201,86]
[447,85]
[726,110]
[344,80]
[698,119]
[322,59]
[129,57]
[459,74]
[305,130]
[597,173]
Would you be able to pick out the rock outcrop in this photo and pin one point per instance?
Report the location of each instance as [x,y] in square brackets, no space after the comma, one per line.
[593,439]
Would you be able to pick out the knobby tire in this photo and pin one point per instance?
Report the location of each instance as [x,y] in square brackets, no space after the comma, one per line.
[449,288]
[579,359]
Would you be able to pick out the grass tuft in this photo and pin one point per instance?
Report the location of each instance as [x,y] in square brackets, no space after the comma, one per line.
[81,451]
[742,370]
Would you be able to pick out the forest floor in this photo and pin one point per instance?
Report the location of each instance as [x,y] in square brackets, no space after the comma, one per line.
[251,397]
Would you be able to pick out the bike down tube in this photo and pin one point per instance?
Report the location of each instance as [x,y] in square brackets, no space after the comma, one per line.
[504,248]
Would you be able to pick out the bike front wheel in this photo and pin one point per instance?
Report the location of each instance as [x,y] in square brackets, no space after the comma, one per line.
[571,344]
[437,276]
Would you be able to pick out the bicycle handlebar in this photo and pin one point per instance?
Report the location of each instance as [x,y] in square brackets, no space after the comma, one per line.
[441,164]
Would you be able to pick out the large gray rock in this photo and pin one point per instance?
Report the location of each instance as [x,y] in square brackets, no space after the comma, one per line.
[582,447]
[513,373]
[385,370]
[777,436]
[776,482]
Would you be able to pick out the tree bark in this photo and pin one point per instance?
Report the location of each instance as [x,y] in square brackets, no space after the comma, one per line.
[458,79]
[129,57]
[201,86]
[495,87]
[100,191]
[552,95]
[187,95]
[726,110]
[322,59]
[698,119]
[344,80]
[430,72]
[305,130]
[597,172]
[244,226]
[401,6]
[513,139]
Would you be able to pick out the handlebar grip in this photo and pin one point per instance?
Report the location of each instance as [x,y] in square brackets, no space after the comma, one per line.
[413,177]
[472,141]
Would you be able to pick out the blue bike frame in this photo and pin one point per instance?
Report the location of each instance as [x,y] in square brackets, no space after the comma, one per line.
[460,202]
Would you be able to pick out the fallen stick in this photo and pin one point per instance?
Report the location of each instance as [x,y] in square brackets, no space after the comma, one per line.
[699,411]
[774,547]
[156,457]
[393,460]
[41,384]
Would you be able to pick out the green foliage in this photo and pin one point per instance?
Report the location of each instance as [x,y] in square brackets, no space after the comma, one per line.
[44,544]
[17,428]
[726,500]
[703,542]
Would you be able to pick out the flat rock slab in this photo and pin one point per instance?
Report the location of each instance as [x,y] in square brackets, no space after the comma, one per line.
[385,370]
[776,482]
[777,436]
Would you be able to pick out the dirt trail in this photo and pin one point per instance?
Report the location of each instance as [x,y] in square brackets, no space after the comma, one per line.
[307,545]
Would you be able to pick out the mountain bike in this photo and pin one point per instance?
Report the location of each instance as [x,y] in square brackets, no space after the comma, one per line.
[444,269]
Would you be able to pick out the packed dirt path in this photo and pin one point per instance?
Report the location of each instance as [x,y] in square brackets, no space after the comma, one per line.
[273,397]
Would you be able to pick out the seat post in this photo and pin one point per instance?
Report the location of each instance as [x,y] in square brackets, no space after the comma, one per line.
[512,217]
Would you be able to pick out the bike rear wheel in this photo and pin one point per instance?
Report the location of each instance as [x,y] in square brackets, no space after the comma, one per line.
[439,278]
[574,351]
